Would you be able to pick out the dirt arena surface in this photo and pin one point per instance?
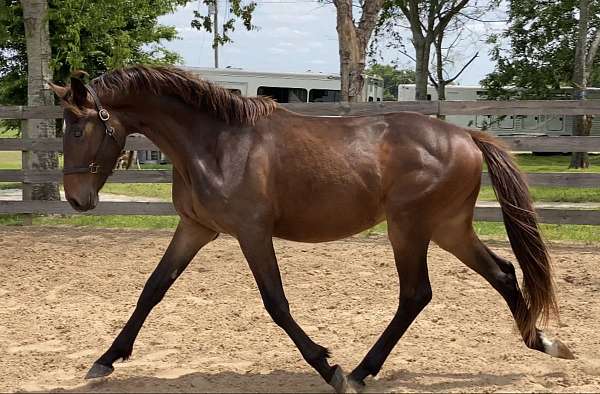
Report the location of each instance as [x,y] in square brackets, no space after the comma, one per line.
[66,292]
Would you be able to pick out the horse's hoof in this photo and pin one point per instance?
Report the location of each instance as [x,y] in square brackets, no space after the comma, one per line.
[99,371]
[556,348]
[354,386]
[338,381]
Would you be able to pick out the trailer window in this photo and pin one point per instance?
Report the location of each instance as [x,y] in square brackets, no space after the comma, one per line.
[554,123]
[323,96]
[283,95]
[530,122]
[507,122]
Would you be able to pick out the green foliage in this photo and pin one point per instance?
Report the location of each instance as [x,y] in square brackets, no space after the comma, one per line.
[92,35]
[392,77]
[237,10]
[542,37]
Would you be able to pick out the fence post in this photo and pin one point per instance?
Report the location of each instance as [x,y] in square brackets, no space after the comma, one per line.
[26,165]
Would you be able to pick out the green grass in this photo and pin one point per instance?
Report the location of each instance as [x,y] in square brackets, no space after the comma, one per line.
[528,163]
[156,190]
[486,230]
[554,163]
[552,232]
[109,221]
[551,194]
[10,160]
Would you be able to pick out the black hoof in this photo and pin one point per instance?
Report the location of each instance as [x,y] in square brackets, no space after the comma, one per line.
[99,371]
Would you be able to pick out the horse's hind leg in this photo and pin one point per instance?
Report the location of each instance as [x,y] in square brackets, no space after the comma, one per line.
[460,240]
[186,242]
[410,252]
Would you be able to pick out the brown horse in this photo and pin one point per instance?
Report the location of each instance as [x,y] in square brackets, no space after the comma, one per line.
[249,168]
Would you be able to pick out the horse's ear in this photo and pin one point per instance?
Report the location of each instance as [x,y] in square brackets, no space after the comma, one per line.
[79,92]
[60,91]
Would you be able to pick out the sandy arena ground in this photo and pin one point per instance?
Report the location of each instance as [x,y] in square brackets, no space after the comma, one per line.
[65,293]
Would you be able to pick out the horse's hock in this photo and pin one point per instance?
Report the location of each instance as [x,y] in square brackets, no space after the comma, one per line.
[66,292]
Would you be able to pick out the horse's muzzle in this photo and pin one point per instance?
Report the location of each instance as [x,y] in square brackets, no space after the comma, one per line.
[84,203]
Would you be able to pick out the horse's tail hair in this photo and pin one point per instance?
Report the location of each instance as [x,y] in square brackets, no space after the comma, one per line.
[524,234]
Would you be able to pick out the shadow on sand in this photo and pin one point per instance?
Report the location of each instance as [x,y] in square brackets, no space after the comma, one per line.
[285,381]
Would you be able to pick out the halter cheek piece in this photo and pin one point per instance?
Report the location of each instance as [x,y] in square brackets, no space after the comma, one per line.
[94,167]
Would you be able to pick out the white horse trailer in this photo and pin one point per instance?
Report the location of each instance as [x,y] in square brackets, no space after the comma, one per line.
[554,125]
[306,87]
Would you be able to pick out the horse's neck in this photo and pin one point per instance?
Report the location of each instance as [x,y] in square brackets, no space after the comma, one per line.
[186,135]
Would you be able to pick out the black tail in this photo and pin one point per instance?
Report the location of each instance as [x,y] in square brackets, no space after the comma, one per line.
[523,232]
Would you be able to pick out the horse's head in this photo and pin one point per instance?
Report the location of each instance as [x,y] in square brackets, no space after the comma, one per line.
[92,142]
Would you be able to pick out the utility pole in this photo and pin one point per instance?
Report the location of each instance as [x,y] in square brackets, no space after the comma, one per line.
[213,9]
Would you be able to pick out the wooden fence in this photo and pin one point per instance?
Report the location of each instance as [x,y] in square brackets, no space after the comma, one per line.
[520,143]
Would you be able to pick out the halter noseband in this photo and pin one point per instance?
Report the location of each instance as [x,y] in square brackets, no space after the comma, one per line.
[94,167]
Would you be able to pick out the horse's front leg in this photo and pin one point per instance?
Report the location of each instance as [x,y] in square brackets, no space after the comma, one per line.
[186,242]
[259,252]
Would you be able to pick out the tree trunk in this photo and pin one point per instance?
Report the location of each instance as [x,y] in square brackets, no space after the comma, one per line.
[582,124]
[441,81]
[351,68]
[353,41]
[352,63]
[422,49]
[37,34]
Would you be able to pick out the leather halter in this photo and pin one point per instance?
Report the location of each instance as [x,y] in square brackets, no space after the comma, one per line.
[94,167]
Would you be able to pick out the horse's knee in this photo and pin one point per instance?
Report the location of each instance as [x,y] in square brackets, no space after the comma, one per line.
[415,301]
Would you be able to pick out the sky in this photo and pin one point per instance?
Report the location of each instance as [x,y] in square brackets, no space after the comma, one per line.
[295,36]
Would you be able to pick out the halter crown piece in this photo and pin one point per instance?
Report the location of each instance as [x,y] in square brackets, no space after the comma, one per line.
[104,115]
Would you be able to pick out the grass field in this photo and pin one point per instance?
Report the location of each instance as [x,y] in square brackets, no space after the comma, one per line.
[528,163]
[552,232]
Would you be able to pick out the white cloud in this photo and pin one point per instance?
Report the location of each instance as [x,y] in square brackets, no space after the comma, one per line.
[292,38]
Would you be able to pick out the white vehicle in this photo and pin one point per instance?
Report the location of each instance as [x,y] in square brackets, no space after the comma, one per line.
[554,125]
[306,87]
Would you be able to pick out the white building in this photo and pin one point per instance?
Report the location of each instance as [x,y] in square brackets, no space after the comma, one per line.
[555,125]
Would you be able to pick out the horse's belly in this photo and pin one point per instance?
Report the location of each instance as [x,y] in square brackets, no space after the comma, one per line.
[322,216]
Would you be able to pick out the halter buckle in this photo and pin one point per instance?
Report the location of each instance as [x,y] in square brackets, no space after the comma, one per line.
[94,168]
[104,115]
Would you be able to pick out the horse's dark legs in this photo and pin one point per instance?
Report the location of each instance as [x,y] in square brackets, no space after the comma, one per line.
[500,273]
[186,242]
[260,255]
[410,253]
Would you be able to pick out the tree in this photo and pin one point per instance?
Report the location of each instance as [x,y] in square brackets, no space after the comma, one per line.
[585,55]
[441,24]
[552,45]
[93,35]
[237,10]
[392,77]
[444,56]
[42,40]
[37,39]
[353,42]
[426,21]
